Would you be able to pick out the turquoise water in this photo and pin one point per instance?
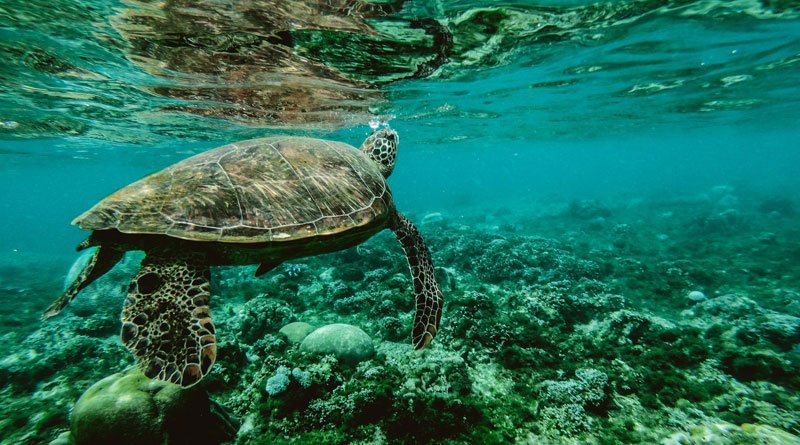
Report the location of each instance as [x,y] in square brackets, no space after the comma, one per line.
[576,168]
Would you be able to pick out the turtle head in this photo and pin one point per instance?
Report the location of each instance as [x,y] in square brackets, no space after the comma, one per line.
[381,147]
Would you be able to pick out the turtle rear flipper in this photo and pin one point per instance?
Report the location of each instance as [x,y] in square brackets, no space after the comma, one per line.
[426,290]
[166,321]
[101,262]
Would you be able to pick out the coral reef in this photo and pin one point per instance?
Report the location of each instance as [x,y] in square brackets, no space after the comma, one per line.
[657,326]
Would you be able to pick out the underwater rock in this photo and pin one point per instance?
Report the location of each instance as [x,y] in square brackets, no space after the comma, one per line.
[588,210]
[696,296]
[132,409]
[295,332]
[348,343]
[748,365]
[64,438]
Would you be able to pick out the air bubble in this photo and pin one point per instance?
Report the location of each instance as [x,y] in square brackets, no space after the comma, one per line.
[380,121]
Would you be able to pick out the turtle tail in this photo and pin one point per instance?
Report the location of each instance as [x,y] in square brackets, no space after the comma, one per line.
[428,295]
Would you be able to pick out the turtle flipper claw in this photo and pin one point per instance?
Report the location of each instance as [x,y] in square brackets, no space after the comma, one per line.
[166,321]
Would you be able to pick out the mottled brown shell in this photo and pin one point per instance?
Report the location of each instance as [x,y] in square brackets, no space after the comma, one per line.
[262,190]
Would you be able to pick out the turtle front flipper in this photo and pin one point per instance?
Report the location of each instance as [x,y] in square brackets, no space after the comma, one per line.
[102,261]
[426,290]
[166,321]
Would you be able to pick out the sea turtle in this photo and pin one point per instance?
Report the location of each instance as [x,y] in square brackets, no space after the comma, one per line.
[261,201]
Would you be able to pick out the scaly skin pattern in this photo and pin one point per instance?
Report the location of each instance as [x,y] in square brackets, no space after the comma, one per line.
[166,322]
[381,147]
[426,290]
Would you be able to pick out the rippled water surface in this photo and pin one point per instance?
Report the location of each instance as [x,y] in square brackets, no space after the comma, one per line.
[147,72]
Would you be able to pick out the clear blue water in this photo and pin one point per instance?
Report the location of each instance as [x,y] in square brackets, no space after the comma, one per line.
[531,106]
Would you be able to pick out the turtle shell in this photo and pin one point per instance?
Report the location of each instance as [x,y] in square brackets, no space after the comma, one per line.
[261,190]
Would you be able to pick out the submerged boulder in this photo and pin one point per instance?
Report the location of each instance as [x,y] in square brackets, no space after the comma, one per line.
[347,343]
[296,331]
[129,408]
